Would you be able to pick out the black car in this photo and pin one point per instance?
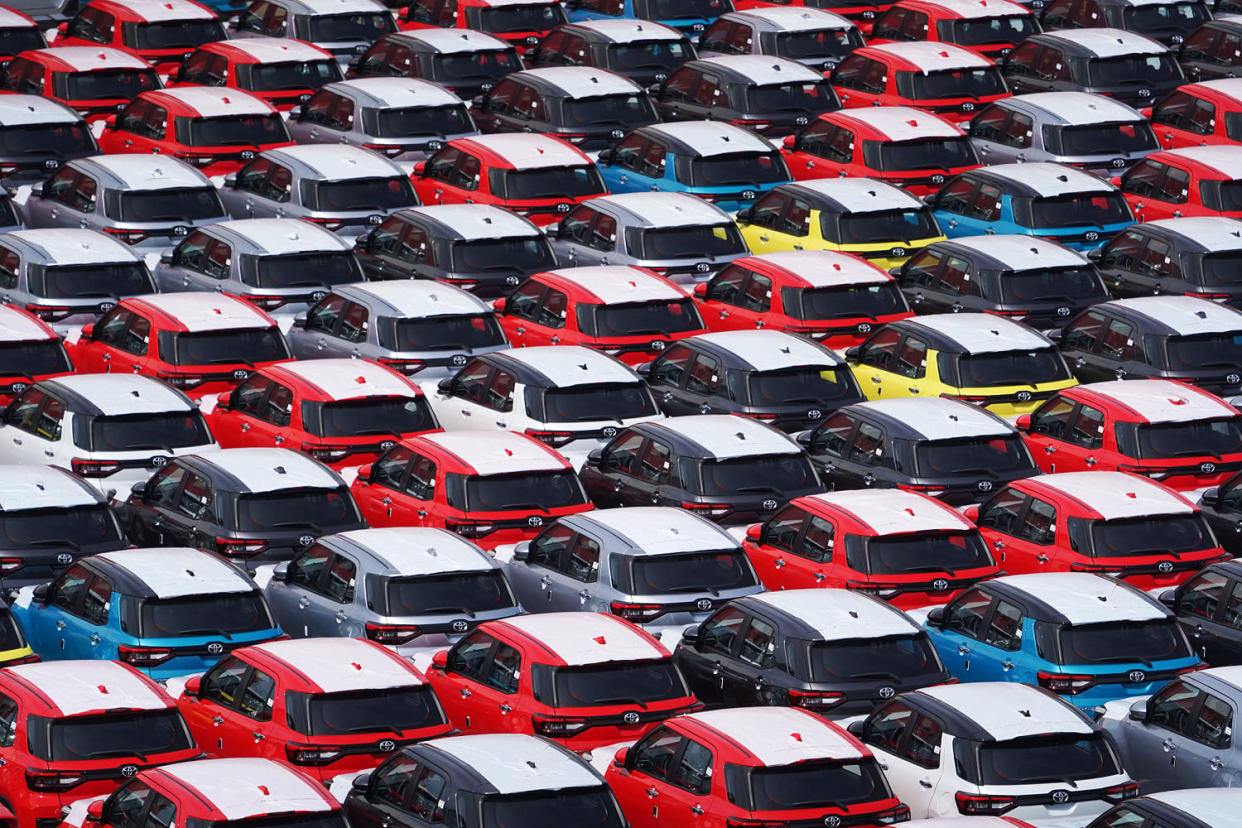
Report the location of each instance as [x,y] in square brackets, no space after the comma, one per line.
[777,378]
[831,651]
[1040,282]
[37,135]
[1158,337]
[1198,256]
[1189,808]
[1222,508]
[1168,21]
[945,448]
[1207,604]
[644,51]
[463,61]
[725,468]
[1213,51]
[247,504]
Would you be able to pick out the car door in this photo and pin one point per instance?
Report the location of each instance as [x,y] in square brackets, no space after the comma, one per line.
[538,581]
[214,711]
[704,383]
[493,692]
[191,519]
[1022,531]
[703,661]
[1153,746]
[292,598]
[992,653]
[402,494]
[1198,604]
[874,368]
[1227,648]
[745,682]
[887,731]
[829,446]
[635,164]
[323,329]
[773,555]
[461,406]
[655,475]
[666,377]
[916,763]
[388,794]
[1184,120]
[920,282]
[573,248]
[46,623]
[675,98]
[868,459]
[643,785]
[547,325]
[379,250]
[1080,345]
[722,297]
[1048,435]
[1205,757]
[965,622]
[25,435]
[608,483]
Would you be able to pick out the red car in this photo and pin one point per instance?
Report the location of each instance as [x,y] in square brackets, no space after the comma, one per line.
[327,705]
[161,32]
[581,679]
[200,343]
[18,33]
[1209,112]
[1172,432]
[905,547]
[1108,522]
[215,130]
[989,28]
[29,351]
[831,297]
[751,766]
[613,309]
[96,81]
[522,23]
[1194,181]
[343,412]
[100,722]
[491,487]
[537,176]
[281,71]
[898,144]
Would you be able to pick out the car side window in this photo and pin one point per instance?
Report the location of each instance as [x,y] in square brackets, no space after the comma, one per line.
[720,632]
[393,781]
[427,798]
[868,448]
[1119,341]
[758,644]
[583,561]
[694,768]
[619,456]
[48,424]
[783,529]
[422,482]
[967,613]
[554,309]
[912,358]
[257,698]
[222,682]
[251,396]
[471,381]
[834,437]
[1083,333]
[654,754]
[878,351]
[124,808]
[1005,627]
[670,366]
[1173,708]
[469,657]
[1214,724]
[1002,512]
[499,393]
[10,268]
[1052,419]
[727,286]
[279,406]
[505,669]
[326,315]
[1039,525]
[24,412]
[524,302]
[8,721]
[307,569]
[757,296]
[340,584]
[161,490]
[705,375]
[886,726]
[97,601]
[957,196]
[818,541]
[354,323]
[656,463]
[922,268]
[1201,595]
[1088,430]
[137,337]
[923,746]
[67,590]
[548,550]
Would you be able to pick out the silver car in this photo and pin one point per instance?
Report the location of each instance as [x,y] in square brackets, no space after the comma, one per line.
[346,28]
[344,189]
[817,38]
[280,265]
[403,118]
[409,588]
[147,201]
[416,327]
[657,566]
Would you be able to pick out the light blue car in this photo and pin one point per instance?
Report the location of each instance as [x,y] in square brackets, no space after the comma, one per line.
[1052,201]
[691,16]
[167,612]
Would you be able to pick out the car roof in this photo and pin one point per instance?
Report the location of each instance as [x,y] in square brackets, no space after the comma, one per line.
[1075,108]
[1184,315]
[1115,495]
[777,736]
[760,69]
[395,91]
[1213,234]
[448,41]
[1225,159]
[25,487]
[243,788]
[89,58]
[708,138]
[658,530]
[16,325]
[980,333]
[345,378]
[272,50]
[1107,42]
[515,763]
[334,6]
[204,311]
[89,686]
[117,394]
[417,550]
[144,172]
[1162,401]
[628,30]
[342,665]
[894,511]
[13,19]
[932,56]
[1005,711]
[416,298]
[727,436]
[770,350]
[978,8]
[936,418]
[337,161]
[901,123]
[1212,806]
[1081,597]
[215,101]
[473,222]
[72,245]
[262,469]
[859,195]
[583,638]
[1018,253]
[792,18]
[581,81]
[1045,178]
[497,452]
[619,284]
[524,150]
[34,109]
[838,614]
[178,572]
[1229,87]
[1230,675]
[822,268]
[661,209]
[280,236]
[166,10]
[564,366]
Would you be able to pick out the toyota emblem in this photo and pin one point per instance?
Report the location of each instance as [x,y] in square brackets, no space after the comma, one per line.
[864,327]
[319,296]
[512,280]
[18,387]
[1136,676]
[215,648]
[1119,162]
[937,179]
[1207,468]
[247,155]
[306,540]
[435,146]
[385,445]
[657,344]
[1063,311]
[460,626]
[698,27]
[661,77]
[534,520]
[801,120]
[940,584]
[985,485]
[128,771]
[702,267]
[104,307]
[303,98]
[531,40]
[1060,797]
[240,374]
[64,559]
[886,692]
[834,821]
[1144,93]
[159,461]
[608,431]
[374,218]
[814,414]
[458,359]
[1233,379]
[968,107]
[563,207]
[703,604]
[769,505]
[180,230]
[486,87]
[51,164]
[1091,236]
[1164,567]
[387,746]
[748,195]
[1023,396]
[630,717]
[897,252]
[868,15]
[617,133]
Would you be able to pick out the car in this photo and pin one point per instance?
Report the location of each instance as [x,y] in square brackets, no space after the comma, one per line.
[942,447]
[989,29]
[569,397]
[1124,65]
[1191,256]
[1221,508]
[18,33]
[1169,431]
[767,375]
[894,542]
[282,71]
[643,51]
[1166,21]
[103,722]
[1158,337]
[214,129]
[45,13]
[248,505]
[1080,129]
[1206,605]
[323,720]
[481,248]
[520,23]
[281,265]
[400,118]
[49,519]
[614,309]
[729,469]
[1192,181]
[1192,808]
[603,680]
[11,217]
[659,567]
[689,16]
[160,32]
[146,201]
[109,429]
[201,343]
[1087,638]
[1208,52]
[38,135]
[420,328]
[463,61]
[590,108]
[1199,114]
[1128,526]
[825,296]
[834,776]
[879,222]
[14,648]
[343,28]
[536,176]
[124,606]
[407,588]
[827,651]
[341,188]
[1030,754]
[93,81]
[816,38]
[490,487]
[29,351]
[722,163]
[1024,278]
[772,96]
[676,235]
[342,412]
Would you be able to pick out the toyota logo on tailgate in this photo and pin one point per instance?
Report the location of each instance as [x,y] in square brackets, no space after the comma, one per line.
[703,604]
[159,461]
[937,179]
[460,626]
[1023,396]
[1119,162]
[563,207]
[985,485]
[769,505]
[1207,468]
[702,267]
[128,771]
[1137,676]
[240,374]
[387,746]
[64,559]
[1091,236]
[319,296]
[864,327]
[306,540]
[886,692]
[630,718]
[385,445]
[814,414]
[534,520]
[968,107]
[459,359]
[832,821]
[1060,797]
[748,195]
[608,431]
[247,155]
[940,584]
[1063,311]
[215,648]
[1164,567]
[617,133]
[1233,379]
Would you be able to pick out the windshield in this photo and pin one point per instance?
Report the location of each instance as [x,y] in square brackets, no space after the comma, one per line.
[682,9]
[320,269]
[47,139]
[383,417]
[1107,139]
[92,281]
[632,682]
[73,526]
[366,27]
[1011,368]
[989,30]
[1153,535]
[886,226]
[816,783]
[34,358]
[108,84]
[516,17]
[1181,16]
[16,41]
[1194,353]
[280,77]
[445,333]
[1132,69]
[1197,438]
[815,45]
[799,96]
[851,301]
[218,614]
[954,83]
[694,241]
[239,345]
[738,168]
[392,710]
[237,130]
[642,318]
[1065,284]
[647,54]
[927,154]
[605,401]
[937,552]
[461,592]
[532,491]
[777,474]
[691,572]
[1053,758]
[320,510]
[177,34]
[806,385]
[146,734]
[485,64]
[135,432]
[972,455]
[410,121]
[179,204]
[1079,209]
[894,657]
[548,182]
[624,110]
[1123,642]
[524,253]
[584,807]
[361,194]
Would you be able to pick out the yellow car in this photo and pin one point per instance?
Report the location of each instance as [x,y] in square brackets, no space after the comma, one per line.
[13,646]
[980,358]
[876,221]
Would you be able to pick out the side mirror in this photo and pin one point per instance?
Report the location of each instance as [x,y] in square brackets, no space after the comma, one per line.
[971,513]
[295,113]
[299,321]
[1211,497]
[935,617]
[550,230]
[94,811]
[700,290]
[361,782]
[754,532]
[37,190]
[595,456]
[445,386]
[789,141]
[1095,255]
[643,370]
[420,167]
[87,330]
[281,572]
[1055,334]
[930,199]
[852,353]
[1138,711]
[856,728]
[803,438]
[499,305]
[1168,598]
[364,473]
[110,121]
[743,216]
[605,156]
[139,488]
[895,272]
[521,552]
[1023,423]
[166,257]
[40,593]
[690,635]
[622,759]
[439,661]
[478,101]
[192,685]
[1115,180]
[224,401]
[230,180]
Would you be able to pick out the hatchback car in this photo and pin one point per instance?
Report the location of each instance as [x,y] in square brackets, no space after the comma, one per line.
[1167,21]
[463,61]
[94,81]
[816,38]
[18,33]
[1190,808]
[1192,181]
[1210,51]
[1206,605]
[1188,256]
[160,32]
[37,135]
[343,28]
[518,22]
[643,51]
[281,71]
[989,29]
[690,16]
[1209,112]
[29,351]
[1223,511]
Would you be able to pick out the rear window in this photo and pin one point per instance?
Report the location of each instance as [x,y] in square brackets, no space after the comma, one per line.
[411,121]
[547,183]
[235,130]
[647,54]
[371,711]
[1061,284]
[809,96]
[371,417]
[1132,70]
[484,64]
[1154,535]
[317,819]
[644,318]
[76,527]
[143,735]
[516,17]
[688,572]
[530,491]
[1080,209]
[816,784]
[1225,196]
[614,401]
[881,227]
[359,194]
[817,44]
[441,333]
[204,615]
[158,432]
[777,474]
[287,77]
[1195,353]
[1011,368]
[1123,642]
[674,9]
[847,302]
[1101,139]
[696,241]
[1198,438]
[807,385]
[56,140]
[738,169]
[528,254]
[462,592]
[322,511]
[931,552]
[247,346]
[360,26]
[620,682]
[92,281]
[980,456]
[319,269]
[176,34]
[892,658]
[989,30]
[16,41]
[927,154]
[980,82]
[1054,758]
[32,359]
[617,110]
[1154,16]
[594,807]
[107,84]
[177,204]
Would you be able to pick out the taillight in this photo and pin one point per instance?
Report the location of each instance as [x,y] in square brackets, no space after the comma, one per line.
[312,755]
[885,591]
[30,659]
[236,548]
[390,150]
[10,565]
[638,613]
[327,454]
[558,726]
[194,158]
[814,700]
[555,439]
[734,822]
[710,510]
[127,236]
[469,528]
[392,633]
[464,284]
[1215,297]
[8,169]
[1064,684]
[763,418]
[810,333]
[265,302]
[752,123]
[326,223]
[892,816]
[50,781]
[930,491]
[94,468]
[973,400]
[979,804]
[50,313]
[404,366]
[1126,790]
[144,656]
[572,137]
[1010,314]
[182,380]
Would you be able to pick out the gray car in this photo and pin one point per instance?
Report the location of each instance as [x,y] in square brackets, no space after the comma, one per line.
[409,588]
[346,28]
[678,235]
[46,13]
[403,118]
[817,38]
[657,566]
[281,265]
[343,189]
[1082,129]
[419,328]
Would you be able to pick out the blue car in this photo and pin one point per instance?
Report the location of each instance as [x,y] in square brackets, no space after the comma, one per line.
[1088,638]
[686,15]
[725,164]
[1052,201]
[167,612]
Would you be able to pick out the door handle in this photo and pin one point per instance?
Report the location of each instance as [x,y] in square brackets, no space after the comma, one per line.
[1090,461]
[502,424]
[584,596]
[962,649]
[303,602]
[1050,450]
[779,563]
[1215,764]
[819,576]
[1042,558]
[696,810]
[504,708]
[217,720]
[924,783]
[764,238]
[1169,745]
[340,616]
[1000,544]
[94,639]
[652,792]
[244,426]
[912,389]
[545,582]
[1006,665]
[60,625]
[465,694]
[876,380]
[258,737]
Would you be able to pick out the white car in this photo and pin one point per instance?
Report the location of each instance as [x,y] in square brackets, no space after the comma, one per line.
[993,749]
[113,430]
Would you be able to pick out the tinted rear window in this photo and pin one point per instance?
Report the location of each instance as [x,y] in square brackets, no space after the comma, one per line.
[372,711]
[893,658]
[135,432]
[72,526]
[620,682]
[177,34]
[47,139]
[320,269]
[1011,368]
[1123,642]
[236,130]
[442,333]
[1047,759]
[776,474]
[370,417]
[533,491]
[359,194]
[816,784]
[31,359]
[245,346]
[463,592]
[204,615]
[319,510]
[972,455]
[606,401]
[690,572]
[141,735]
[177,204]
[100,281]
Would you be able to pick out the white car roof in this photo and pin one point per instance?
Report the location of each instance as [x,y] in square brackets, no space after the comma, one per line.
[1050,179]
[779,736]
[479,221]
[120,394]
[272,469]
[983,333]
[1216,233]
[90,686]
[498,452]
[1108,43]
[667,209]
[41,487]
[151,172]
[617,284]
[897,512]
[279,50]
[1164,401]
[981,8]
[768,69]
[1087,598]
[585,81]
[13,19]
[1117,495]
[515,763]
[420,550]
[285,236]
[165,10]
[626,30]
[794,18]
[1229,675]
[1077,108]
[713,137]
[243,788]
[340,665]
[34,109]
[219,102]
[18,326]
[336,161]
[1010,711]
[400,91]
[933,56]
[1225,159]
[1211,806]
[90,58]
[342,6]
[728,436]
[662,530]
[1188,315]
[209,311]
[530,150]
[416,298]
[570,365]
[826,268]
[1230,87]
[840,614]
[940,418]
[344,378]
[771,350]
[450,41]
[583,638]
[863,195]
[176,572]
[904,123]
[1024,252]
[76,245]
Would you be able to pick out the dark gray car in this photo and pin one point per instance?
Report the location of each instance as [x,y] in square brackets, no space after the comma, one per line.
[345,28]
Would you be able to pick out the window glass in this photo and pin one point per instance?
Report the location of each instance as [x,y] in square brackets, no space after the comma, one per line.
[654,754]
[1214,725]
[549,548]
[1233,607]
[583,562]
[1052,419]
[256,699]
[1082,334]
[1173,707]
[885,728]
[392,781]
[97,601]
[757,646]
[1005,627]
[1088,428]
[818,541]
[694,769]
[426,801]
[669,368]
[619,456]
[306,568]
[1040,523]
[67,590]
[469,657]
[340,583]
[782,530]
[966,614]
[1201,595]
[719,633]
[505,669]
[923,746]
[222,682]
